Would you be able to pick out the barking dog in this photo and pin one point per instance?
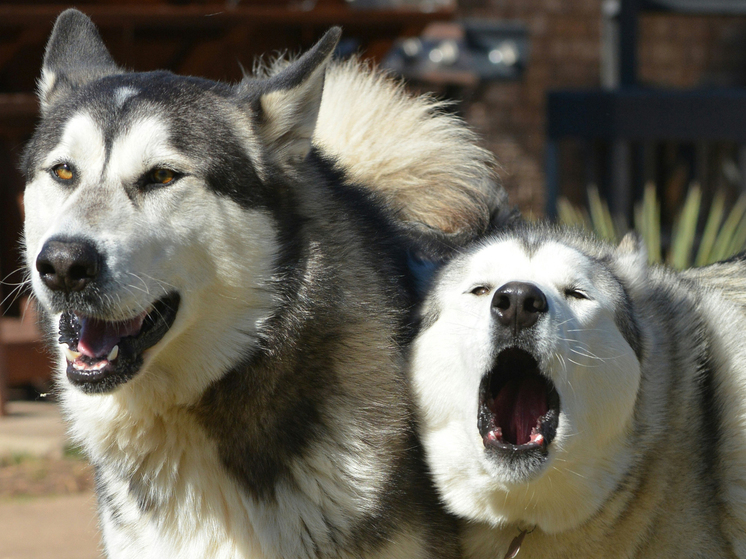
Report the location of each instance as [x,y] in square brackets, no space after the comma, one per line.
[576,402]
[230,301]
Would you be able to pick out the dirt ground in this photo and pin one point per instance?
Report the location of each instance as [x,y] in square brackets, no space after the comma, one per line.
[47,508]
[61,527]
[23,477]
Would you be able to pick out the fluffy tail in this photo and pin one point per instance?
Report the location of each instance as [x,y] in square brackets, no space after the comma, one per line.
[426,164]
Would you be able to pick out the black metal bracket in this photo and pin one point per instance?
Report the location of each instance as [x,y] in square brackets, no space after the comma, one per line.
[481,51]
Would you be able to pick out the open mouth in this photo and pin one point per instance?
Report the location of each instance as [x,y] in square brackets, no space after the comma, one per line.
[101,354]
[518,406]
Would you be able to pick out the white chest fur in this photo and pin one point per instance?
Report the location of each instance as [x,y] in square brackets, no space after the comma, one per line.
[164,492]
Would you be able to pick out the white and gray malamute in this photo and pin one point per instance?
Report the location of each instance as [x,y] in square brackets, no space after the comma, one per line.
[577,402]
[224,269]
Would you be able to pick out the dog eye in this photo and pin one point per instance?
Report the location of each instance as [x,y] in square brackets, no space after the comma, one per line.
[162,176]
[480,290]
[575,293]
[63,171]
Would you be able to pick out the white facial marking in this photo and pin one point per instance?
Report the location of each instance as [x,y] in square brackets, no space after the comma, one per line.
[145,145]
[155,242]
[51,207]
[81,143]
[593,368]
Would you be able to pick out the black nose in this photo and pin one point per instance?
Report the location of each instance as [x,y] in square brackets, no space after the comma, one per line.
[68,265]
[518,305]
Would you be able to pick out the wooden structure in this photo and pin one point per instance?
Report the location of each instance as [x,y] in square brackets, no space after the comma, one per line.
[208,38]
[633,113]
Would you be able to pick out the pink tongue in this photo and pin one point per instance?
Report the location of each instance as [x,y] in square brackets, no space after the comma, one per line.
[98,337]
[518,407]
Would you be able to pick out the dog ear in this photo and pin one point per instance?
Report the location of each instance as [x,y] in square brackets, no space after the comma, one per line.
[632,245]
[287,103]
[631,259]
[75,55]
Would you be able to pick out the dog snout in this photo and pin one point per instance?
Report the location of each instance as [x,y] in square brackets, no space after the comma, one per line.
[68,265]
[518,305]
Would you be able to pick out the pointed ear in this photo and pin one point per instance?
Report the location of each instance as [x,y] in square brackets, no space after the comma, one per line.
[287,103]
[632,245]
[75,55]
[631,258]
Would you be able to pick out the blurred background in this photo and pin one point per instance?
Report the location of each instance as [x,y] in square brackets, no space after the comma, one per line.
[610,114]
[611,95]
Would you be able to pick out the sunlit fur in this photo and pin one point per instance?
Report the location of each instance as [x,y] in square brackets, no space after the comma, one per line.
[406,145]
[649,459]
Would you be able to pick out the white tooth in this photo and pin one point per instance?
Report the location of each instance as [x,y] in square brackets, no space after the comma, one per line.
[69,353]
[113,353]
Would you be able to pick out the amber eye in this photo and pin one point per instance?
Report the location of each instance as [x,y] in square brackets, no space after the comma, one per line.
[162,176]
[480,290]
[63,171]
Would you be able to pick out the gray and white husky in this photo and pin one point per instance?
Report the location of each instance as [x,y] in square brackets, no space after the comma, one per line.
[224,268]
[576,402]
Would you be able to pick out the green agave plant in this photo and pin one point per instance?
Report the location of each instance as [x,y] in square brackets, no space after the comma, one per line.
[723,235]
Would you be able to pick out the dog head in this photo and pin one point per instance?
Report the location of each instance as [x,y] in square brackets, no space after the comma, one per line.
[526,374]
[152,207]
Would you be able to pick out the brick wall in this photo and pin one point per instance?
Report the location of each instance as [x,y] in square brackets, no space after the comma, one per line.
[681,51]
[565,40]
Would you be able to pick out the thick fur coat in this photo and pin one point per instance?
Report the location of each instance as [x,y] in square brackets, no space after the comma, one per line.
[577,402]
[225,274]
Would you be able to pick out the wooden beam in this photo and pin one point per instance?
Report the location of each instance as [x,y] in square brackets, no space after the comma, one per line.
[201,15]
[18,105]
